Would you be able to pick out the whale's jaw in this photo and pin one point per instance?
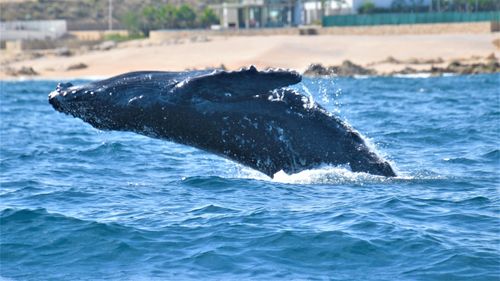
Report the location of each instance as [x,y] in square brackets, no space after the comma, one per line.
[57,96]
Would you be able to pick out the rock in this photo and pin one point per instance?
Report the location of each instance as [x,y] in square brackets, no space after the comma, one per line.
[491,57]
[220,67]
[85,48]
[435,71]
[25,70]
[492,66]
[62,52]
[36,55]
[106,45]
[10,71]
[432,61]
[405,71]
[317,69]
[308,31]
[425,61]
[391,59]
[77,66]
[455,67]
[348,68]
[496,43]
[201,39]
[438,60]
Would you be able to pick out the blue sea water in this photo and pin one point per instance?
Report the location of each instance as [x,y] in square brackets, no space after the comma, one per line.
[80,204]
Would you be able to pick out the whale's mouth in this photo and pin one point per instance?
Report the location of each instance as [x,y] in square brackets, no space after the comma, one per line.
[56,96]
[55,102]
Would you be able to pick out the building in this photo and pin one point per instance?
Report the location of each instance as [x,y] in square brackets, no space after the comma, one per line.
[282,13]
[31,30]
[16,1]
[259,13]
[312,10]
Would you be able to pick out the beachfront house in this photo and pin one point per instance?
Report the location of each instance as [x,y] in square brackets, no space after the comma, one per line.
[313,11]
[32,30]
[259,13]
[282,13]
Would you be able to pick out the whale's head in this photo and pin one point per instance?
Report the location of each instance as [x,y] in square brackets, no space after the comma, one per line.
[86,102]
[113,103]
[119,102]
[67,98]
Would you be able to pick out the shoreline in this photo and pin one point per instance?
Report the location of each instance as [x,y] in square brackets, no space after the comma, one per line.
[418,75]
[385,54]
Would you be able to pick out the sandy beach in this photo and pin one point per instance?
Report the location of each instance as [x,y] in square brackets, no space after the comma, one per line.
[286,51]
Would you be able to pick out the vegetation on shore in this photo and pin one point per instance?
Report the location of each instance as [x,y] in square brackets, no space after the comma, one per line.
[136,16]
[122,38]
[168,17]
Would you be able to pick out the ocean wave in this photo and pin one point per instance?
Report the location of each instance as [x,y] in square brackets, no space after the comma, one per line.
[460,160]
[414,76]
[211,209]
[492,155]
[78,204]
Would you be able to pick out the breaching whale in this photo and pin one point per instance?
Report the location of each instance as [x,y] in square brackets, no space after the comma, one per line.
[248,116]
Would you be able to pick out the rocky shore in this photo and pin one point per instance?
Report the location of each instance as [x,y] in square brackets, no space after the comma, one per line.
[435,67]
[346,69]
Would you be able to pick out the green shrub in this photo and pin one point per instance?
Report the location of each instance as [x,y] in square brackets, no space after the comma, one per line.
[121,38]
[367,8]
[208,17]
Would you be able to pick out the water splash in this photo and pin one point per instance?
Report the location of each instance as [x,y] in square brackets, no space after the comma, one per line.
[327,90]
[328,174]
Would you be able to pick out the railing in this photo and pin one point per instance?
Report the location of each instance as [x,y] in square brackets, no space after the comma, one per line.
[409,18]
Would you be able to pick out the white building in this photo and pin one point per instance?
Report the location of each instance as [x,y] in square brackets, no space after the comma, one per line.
[30,30]
[312,9]
[258,13]
[276,13]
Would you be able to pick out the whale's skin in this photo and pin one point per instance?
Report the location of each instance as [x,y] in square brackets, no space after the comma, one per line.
[246,116]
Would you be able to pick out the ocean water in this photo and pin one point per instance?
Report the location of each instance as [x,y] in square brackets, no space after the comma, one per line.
[80,204]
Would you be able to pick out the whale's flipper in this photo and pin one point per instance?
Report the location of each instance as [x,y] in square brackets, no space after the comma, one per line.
[246,82]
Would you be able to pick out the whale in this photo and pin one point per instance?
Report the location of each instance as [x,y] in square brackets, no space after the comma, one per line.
[252,117]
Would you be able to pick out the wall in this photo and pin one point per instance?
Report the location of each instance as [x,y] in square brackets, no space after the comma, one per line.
[95,35]
[166,35]
[159,36]
[438,28]
[409,18]
[30,30]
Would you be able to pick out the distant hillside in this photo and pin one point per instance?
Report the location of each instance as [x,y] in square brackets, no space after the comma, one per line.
[93,11]
[16,1]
